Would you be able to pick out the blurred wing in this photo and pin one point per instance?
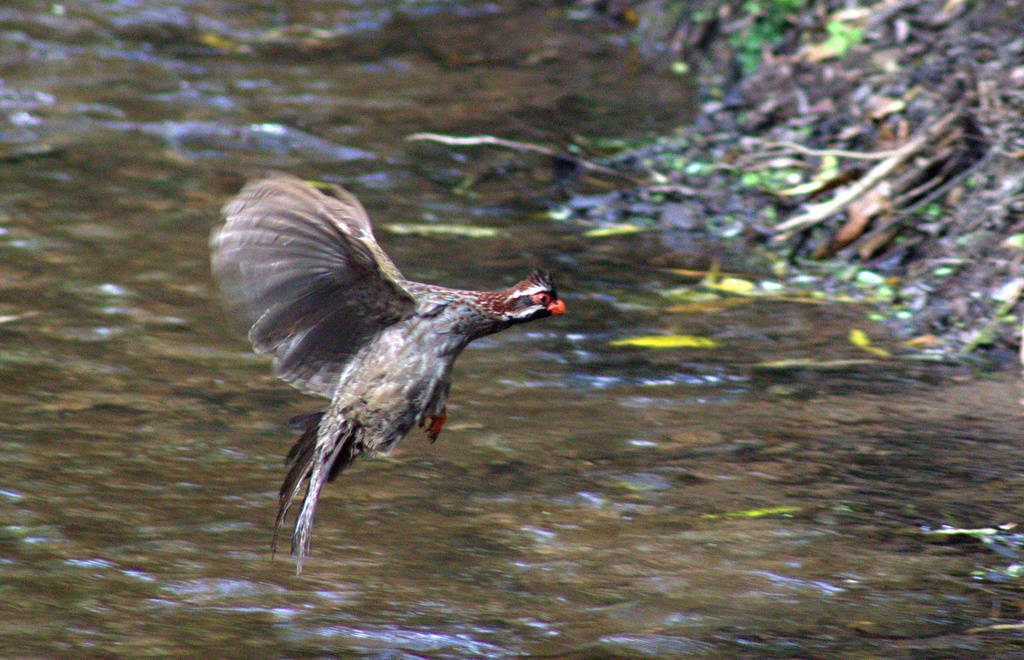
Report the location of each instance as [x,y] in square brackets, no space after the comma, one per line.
[304,273]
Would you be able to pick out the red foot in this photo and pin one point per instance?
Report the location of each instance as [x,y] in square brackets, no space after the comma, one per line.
[436,422]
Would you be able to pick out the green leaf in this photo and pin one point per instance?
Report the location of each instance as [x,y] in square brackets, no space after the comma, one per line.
[754,513]
[667,341]
[469,231]
[614,230]
[860,339]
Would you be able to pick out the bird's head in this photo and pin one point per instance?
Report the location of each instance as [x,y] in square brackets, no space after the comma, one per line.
[533,298]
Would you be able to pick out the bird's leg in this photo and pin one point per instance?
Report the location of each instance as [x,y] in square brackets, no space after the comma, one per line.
[436,422]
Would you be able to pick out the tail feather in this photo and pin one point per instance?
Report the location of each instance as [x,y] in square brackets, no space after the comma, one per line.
[318,459]
[299,460]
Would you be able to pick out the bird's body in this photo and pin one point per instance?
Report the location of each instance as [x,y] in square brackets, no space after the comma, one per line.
[303,271]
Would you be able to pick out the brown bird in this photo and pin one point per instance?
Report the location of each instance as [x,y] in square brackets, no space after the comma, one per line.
[303,271]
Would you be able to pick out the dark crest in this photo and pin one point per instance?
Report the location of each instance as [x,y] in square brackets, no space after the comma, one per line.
[542,278]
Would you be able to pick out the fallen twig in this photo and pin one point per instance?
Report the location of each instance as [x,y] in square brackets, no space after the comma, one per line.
[491,140]
[838,153]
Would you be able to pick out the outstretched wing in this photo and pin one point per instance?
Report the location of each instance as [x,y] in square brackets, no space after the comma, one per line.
[302,270]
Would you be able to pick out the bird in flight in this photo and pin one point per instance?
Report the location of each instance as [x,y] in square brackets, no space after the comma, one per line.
[301,269]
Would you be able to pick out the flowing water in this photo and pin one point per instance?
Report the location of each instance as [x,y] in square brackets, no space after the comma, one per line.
[586,500]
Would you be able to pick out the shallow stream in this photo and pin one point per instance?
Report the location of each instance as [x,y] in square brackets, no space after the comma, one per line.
[586,500]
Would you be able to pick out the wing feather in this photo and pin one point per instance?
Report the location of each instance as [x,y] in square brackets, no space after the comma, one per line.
[303,272]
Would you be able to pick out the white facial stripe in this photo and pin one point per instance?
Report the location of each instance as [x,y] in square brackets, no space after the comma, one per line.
[523,313]
[531,290]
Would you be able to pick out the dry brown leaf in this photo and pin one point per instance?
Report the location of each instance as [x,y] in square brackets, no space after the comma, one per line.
[880,107]
[859,212]
[878,240]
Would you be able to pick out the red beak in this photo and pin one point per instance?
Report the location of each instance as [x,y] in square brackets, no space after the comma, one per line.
[556,307]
